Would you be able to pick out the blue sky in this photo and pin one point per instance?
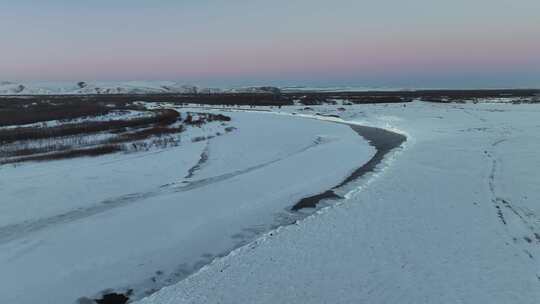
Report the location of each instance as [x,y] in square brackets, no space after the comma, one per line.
[415,43]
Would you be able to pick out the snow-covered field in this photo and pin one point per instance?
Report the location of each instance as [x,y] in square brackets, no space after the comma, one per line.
[452,218]
[72,230]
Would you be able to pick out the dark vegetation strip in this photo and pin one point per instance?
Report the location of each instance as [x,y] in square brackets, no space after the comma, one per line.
[384,141]
[97,151]
[67,151]
[162,117]
[123,100]
[35,108]
[444,96]
[20,115]
[157,131]
[63,147]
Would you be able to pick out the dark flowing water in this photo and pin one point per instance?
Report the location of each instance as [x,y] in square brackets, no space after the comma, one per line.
[384,141]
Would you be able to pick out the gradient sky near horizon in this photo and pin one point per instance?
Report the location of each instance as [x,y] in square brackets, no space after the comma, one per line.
[414,43]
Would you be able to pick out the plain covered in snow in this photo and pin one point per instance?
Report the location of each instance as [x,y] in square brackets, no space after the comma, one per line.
[452,218]
[76,229]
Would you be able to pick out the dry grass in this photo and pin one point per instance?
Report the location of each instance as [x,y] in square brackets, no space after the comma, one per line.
[162,117]
[72,139]
[42,113]
[85,139]
[97,151]
[158,131]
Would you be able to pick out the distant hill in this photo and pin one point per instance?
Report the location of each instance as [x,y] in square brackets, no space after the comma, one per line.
[130,87]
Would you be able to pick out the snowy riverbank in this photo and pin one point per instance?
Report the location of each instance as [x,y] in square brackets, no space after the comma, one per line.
[75,229]
[454,219]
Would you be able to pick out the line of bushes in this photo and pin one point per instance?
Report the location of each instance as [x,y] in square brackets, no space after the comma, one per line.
[97,151]
[202,118]
[157,131]
[35,114]
[161,117]
[123,100]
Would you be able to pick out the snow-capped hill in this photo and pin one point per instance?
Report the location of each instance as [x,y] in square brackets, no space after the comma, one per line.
[130,87]
[83,87]
[10,88]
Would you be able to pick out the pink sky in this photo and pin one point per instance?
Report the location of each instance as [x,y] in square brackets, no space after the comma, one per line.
[418,43]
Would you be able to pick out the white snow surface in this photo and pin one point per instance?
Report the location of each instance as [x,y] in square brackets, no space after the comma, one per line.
[453,217]
[72,229]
